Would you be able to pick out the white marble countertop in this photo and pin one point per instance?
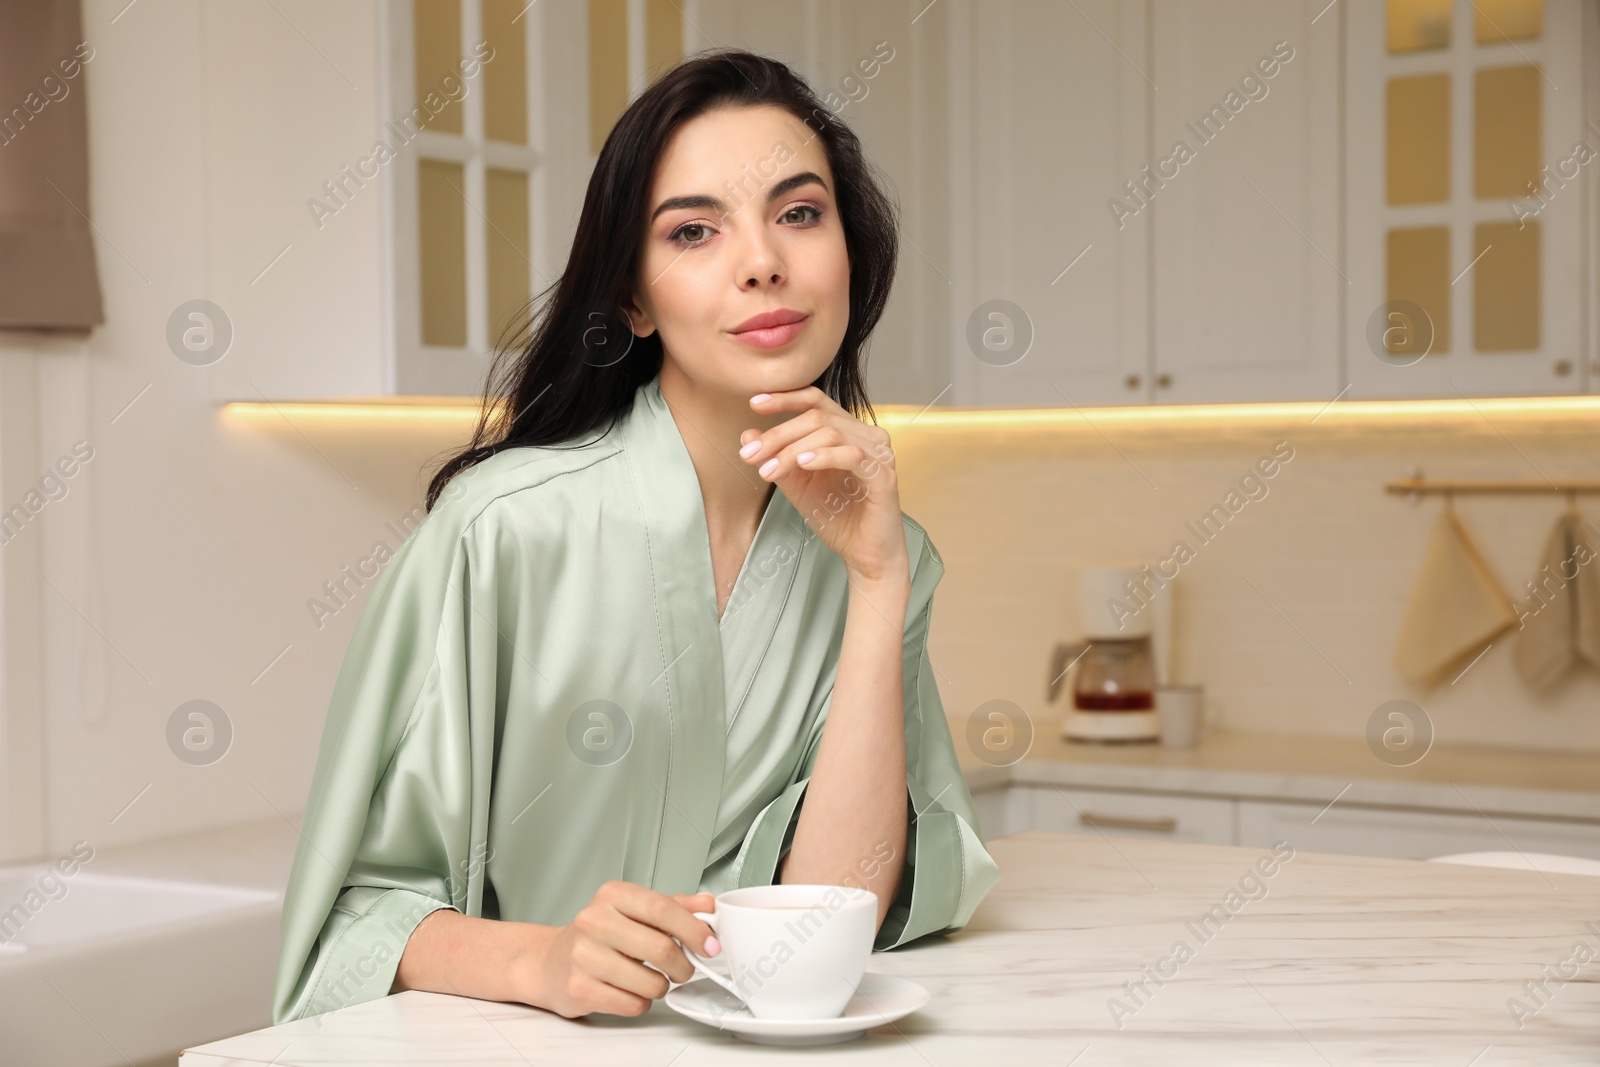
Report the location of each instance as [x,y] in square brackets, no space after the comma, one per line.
[1503,781]
[1329,960]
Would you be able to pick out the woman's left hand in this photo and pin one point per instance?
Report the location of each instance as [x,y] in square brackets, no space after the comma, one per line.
[839,474]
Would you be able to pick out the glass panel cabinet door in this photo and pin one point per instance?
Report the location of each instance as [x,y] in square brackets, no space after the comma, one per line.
[465,204]
[1465,244]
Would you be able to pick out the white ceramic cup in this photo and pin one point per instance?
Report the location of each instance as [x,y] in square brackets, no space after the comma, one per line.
[1180,712]
[792,951]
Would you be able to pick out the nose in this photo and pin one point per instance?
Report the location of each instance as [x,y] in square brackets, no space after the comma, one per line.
[760,262]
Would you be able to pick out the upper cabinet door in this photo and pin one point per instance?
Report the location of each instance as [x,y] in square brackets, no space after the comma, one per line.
[1050,297]
[1466,145]
[1242,195]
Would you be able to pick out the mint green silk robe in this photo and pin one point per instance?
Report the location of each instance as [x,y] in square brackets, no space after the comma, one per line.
[540,697]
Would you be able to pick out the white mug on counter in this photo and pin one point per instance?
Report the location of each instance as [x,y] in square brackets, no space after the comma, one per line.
[1180,709]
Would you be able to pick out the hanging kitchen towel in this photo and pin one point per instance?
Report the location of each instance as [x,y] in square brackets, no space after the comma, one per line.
[1456,608]
[1586,550]
[1547,641]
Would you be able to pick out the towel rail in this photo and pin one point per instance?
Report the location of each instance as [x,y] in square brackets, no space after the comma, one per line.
[1430,485]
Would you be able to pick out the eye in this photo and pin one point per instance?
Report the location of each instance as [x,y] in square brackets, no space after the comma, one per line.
[677,236]
[816,213]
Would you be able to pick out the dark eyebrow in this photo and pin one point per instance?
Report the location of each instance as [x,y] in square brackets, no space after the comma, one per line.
[711,203]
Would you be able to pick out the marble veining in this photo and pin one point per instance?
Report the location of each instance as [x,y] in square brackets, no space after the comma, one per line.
[1071,960]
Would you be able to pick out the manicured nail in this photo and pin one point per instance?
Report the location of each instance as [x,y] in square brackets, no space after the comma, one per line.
[750,449]
[806,457]
[769,466]
[713,946]
[759,397]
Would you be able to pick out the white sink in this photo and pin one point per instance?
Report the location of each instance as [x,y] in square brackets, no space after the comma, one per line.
[87,907]
[119,969]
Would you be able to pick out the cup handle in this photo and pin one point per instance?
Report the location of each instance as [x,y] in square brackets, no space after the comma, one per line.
[700,964]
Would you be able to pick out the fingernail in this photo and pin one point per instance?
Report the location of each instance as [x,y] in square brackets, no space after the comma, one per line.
[713,946]
[806,457]
[769,466]
[750,449]
[759,397]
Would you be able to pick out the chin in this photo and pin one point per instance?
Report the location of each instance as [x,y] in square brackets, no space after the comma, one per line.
[776,370]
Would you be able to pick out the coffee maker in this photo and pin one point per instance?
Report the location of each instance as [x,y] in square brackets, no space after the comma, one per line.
[1112,673]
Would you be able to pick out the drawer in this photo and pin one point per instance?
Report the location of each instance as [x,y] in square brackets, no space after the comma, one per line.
[1002,811]
[1163,816]
[1402,834]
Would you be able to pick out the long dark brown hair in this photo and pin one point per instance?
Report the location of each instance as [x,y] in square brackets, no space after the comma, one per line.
[573,364]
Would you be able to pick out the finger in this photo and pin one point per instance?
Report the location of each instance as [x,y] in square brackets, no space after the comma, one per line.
[875,476]
[761,445]
[780,461]
[619,968]
[870,454]
[670,915]
[871,437]
[646,944]
[664,916]
[600,996]
[797,400]
[802,434]
[831,457]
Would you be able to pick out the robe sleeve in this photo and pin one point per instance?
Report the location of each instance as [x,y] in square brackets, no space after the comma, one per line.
[947,870]
[395,826]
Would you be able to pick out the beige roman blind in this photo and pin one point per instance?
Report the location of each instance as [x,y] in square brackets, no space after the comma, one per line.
[47,262]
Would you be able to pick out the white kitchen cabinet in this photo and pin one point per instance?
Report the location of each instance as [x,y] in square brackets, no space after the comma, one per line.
[1133,271]
[1250,265]
[1245,274]
[1450,228]
[1393,832]
[1408,834]
[1048,117]
[1166,816]
[1003,811]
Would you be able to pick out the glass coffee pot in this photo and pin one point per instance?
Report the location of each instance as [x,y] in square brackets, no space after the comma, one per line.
[1113,668]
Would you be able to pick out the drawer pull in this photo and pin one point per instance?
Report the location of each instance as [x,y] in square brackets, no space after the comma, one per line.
[1124,822]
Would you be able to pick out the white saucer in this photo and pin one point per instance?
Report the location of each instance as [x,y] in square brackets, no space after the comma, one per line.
[879,999]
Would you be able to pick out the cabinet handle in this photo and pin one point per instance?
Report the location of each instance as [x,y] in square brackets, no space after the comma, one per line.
[1163,380]
[1563,367]
[1124,822]
[1132,381]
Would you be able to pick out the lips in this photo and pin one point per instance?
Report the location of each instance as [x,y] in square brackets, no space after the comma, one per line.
[769,319]
[771,329]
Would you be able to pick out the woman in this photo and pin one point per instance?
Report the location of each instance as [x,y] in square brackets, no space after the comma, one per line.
[589,692]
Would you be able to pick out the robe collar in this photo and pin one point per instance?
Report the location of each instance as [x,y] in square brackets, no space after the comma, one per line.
[708,664]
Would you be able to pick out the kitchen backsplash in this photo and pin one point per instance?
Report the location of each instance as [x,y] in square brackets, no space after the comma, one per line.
[1287,614]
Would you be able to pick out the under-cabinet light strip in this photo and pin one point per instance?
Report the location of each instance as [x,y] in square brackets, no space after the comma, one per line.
[902,416]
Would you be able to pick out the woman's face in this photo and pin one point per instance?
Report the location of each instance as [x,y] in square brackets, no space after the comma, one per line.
[742,220]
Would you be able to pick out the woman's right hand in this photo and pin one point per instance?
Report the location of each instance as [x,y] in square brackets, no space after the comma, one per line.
[596,963]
